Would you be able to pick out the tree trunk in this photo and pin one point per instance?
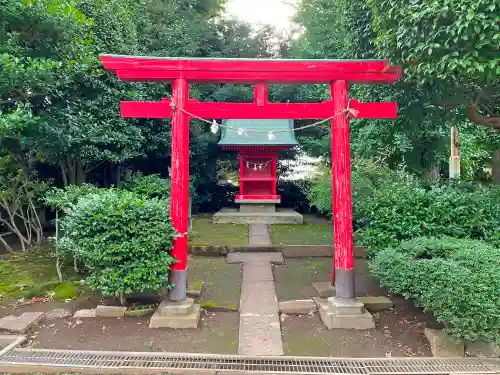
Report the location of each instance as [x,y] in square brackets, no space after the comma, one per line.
[495,167]
[73,171]
[80,172]
[119,170]
[433,173]
[123,299]
[64,173]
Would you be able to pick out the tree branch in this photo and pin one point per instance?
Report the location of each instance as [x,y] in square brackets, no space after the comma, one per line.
[491,120]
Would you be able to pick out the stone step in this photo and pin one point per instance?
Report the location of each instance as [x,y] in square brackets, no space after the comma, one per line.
[267,257]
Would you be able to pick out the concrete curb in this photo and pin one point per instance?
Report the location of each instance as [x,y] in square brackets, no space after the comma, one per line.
[289,251]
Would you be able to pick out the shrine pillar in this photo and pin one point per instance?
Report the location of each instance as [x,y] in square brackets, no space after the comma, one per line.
[341,193]
[178,311]
[179,200]
[343,310]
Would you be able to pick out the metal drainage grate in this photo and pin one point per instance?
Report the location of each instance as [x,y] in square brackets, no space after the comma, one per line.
[179,363]
[9,342]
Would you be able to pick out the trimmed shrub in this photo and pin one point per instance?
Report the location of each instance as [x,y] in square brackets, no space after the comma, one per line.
[122,238]
[61,199]
[457,280]
[392,206]
[151,186]
[402,210]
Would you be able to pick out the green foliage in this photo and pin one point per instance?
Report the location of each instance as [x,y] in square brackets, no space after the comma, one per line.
[123,239]
[450,40]
[366,176]
[401,210]
[18,204]
[63,199]
[450,47]
[449,61]
[455,279]
[391,206]
[64,291]
[149,186]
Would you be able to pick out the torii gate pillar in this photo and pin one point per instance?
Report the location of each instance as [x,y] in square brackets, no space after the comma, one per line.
[179,193]
[341,194]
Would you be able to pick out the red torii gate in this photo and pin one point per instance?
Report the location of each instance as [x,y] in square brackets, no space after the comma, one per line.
[181,72]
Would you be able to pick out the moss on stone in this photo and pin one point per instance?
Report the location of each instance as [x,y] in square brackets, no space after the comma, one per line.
[219,306]
[137,311]
[195,285]
[221,281]
[22,272]
[64,291]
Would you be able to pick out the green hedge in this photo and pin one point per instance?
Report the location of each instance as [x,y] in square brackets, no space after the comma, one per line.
[403,210]
[457,280]
[123,239]
[392,206]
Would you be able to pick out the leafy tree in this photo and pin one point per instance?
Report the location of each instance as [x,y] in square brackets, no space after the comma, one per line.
[420,135]
[450,44]
[19,206]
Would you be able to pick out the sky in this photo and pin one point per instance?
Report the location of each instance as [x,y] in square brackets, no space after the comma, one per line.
[273,12]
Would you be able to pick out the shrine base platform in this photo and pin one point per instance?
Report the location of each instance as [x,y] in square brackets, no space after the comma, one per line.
[279,216]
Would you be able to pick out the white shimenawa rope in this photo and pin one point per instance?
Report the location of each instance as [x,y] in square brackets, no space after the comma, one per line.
[255,166]
[214,128]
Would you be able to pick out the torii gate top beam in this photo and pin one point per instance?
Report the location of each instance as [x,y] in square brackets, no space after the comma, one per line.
[204,70]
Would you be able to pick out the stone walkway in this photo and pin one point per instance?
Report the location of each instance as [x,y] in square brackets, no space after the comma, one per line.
[260,330]
[258,234]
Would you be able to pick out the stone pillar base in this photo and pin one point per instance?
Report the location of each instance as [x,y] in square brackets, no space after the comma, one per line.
[176,314]
[345,313]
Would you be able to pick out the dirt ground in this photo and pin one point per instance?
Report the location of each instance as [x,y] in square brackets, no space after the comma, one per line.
[221,281]
[217,333]
[294,279]
[399,331]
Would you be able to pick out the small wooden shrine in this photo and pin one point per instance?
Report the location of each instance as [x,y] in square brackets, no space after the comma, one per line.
[258,153]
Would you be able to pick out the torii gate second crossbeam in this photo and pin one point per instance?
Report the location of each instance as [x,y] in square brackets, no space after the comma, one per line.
[336,73]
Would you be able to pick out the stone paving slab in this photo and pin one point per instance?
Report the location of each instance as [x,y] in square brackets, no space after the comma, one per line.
[58,313]
[260,335]
[256,272]
[298,307]
[258,234]
[260,329]
[275,258]
[259,298]
[444,345]
[85,313]
[22,323]
[281,216]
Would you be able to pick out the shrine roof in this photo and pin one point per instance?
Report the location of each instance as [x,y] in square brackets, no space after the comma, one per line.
[230,137]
